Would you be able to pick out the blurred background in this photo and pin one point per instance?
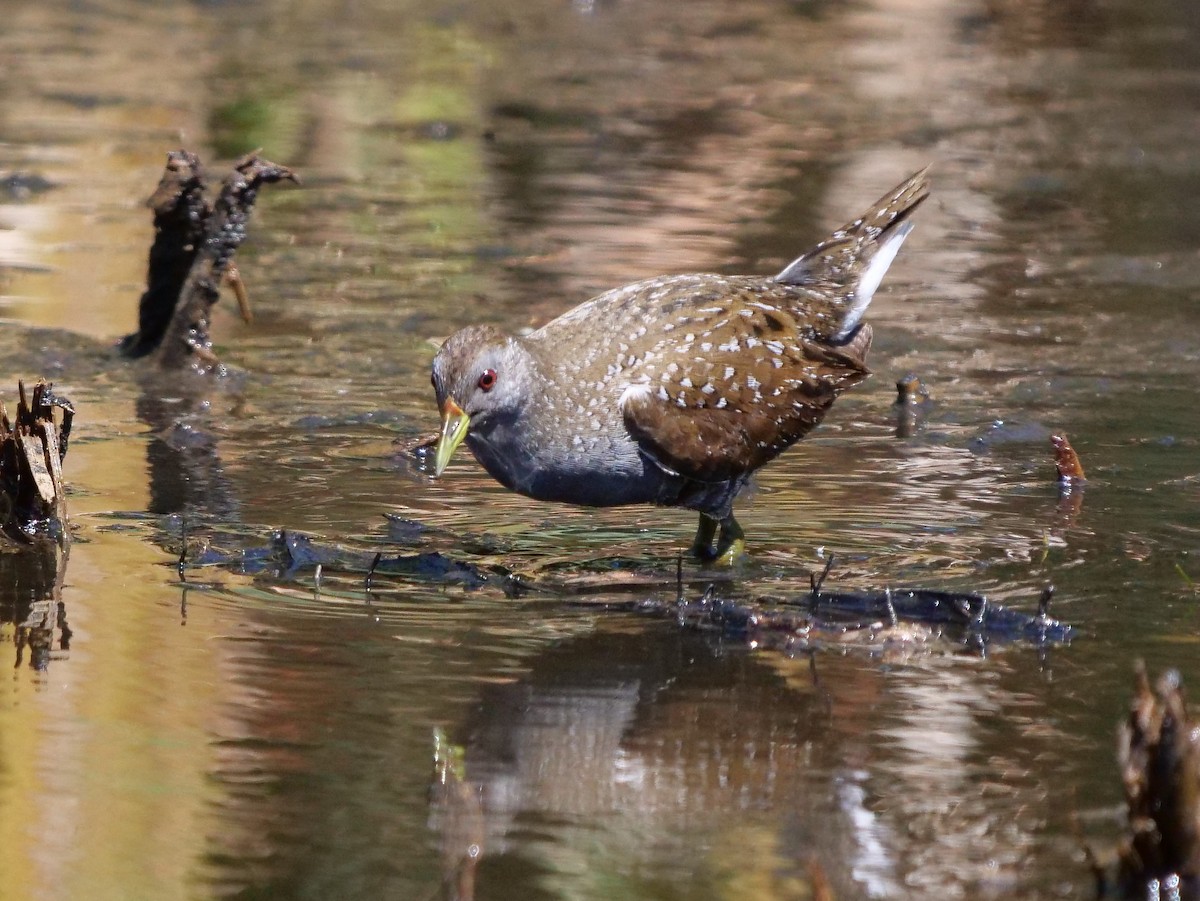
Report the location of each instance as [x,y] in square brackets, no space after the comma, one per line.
[248,734]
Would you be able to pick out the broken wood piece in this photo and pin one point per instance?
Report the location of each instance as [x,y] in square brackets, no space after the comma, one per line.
[1066,461]
[32,448]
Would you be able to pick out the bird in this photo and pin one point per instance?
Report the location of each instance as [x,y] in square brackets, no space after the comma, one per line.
[672,390]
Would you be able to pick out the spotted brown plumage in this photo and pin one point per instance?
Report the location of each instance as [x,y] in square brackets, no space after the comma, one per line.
[672,390]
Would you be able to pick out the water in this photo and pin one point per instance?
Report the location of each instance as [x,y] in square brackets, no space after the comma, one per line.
[251,734]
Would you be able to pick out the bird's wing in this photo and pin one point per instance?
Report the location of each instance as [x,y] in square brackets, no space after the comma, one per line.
[721,411]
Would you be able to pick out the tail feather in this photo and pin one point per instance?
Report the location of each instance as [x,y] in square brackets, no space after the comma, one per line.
[854,259]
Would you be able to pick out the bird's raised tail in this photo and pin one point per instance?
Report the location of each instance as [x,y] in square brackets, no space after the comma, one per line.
[854,259]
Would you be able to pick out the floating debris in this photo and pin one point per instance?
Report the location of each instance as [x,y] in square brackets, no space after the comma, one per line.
[873,620]
[288,553]
[194,244]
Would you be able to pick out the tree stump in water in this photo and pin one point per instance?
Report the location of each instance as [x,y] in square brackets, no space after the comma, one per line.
[195,240]
[32,448]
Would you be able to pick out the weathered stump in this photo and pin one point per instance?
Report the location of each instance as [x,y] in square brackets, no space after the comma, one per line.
[194,244]
[1159,753]
[32,448]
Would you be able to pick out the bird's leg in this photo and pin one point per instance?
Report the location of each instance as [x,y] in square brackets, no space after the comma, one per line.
[731,543]
[702,544]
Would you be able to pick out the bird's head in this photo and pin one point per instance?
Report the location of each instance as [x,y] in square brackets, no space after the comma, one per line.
[479,375]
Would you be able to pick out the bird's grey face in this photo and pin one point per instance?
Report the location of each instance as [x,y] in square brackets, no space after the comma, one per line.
[477,378]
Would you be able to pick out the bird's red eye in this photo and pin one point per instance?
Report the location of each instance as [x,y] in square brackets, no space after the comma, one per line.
[487,381]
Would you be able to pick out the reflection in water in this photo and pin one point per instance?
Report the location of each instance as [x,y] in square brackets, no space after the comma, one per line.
[31,583]
[183,457]
[638,757]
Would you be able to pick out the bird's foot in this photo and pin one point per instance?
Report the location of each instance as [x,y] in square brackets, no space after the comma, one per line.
[731,543]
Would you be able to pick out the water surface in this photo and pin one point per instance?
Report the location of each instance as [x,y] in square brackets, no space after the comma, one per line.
[251,734]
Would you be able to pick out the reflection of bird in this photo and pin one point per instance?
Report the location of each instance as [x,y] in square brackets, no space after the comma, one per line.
[673,390]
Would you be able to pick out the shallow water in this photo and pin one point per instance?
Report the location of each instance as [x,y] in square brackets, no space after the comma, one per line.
[251,733]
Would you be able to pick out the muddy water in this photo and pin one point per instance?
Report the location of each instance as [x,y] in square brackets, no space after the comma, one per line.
[248,733]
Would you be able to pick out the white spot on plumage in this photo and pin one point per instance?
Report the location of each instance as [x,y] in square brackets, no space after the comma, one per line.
[721,404]
[731,345]
[752,342]
[706,346]
[708,388]
[636,392]
[685,382]
[752,382]
[662,394]
[729,372]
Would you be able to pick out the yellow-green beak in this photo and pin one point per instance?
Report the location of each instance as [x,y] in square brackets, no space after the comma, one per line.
[454,429]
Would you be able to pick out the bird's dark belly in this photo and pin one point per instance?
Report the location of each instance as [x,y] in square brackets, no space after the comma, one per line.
[611,481]
[635,479]
[589,490]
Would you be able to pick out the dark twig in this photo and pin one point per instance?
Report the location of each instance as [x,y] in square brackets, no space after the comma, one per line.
[183,537]
[816,583]
[1044,601]
[371,572]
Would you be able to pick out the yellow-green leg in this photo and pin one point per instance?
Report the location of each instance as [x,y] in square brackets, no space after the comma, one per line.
[731,543]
